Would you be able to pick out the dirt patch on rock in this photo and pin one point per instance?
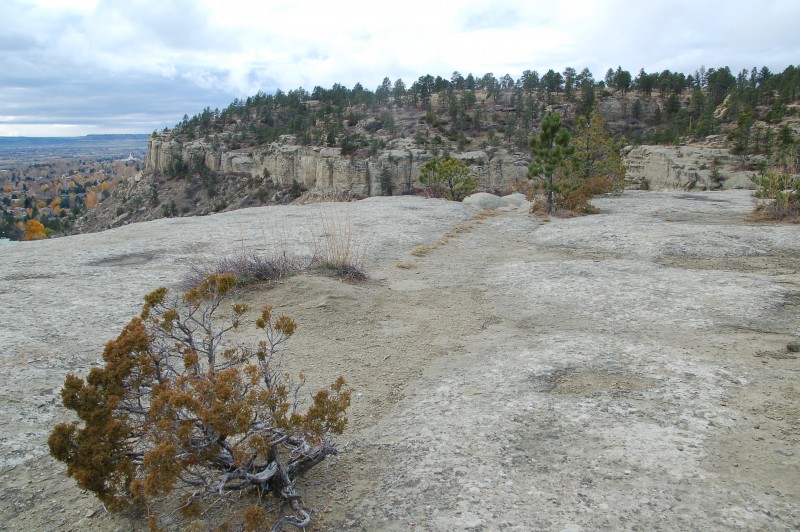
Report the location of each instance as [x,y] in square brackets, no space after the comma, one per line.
[127,259]
[780,263]
[588,383]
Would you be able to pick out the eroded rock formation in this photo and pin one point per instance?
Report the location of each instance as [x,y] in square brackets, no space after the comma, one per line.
[685,168]
[326,168]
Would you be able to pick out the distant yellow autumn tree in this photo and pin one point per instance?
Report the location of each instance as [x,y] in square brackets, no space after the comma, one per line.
[91,199]
[180,409]
[34,230]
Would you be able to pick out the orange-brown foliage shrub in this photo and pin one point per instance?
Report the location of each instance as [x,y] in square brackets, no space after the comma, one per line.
[177,407]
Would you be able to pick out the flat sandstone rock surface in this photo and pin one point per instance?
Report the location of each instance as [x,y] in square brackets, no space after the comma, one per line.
[621,371]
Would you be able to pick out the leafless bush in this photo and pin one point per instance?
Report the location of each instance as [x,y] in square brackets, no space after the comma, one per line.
[327,195]
[248,266]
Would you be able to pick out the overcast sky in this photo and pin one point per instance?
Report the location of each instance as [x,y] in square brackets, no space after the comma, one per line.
[76,67]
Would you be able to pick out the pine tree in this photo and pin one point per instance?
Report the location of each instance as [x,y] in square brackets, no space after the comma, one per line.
[596,155]
[595,168]
[550,149]
[448,178]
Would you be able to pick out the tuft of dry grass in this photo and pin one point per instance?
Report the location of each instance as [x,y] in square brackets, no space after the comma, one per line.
[486,213]
[336,248]
[421,251]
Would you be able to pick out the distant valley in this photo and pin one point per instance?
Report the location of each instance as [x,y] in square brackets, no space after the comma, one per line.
[15,150]
[46,182]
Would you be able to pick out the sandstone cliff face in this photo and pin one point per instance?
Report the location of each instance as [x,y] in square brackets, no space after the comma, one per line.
[323,168]
[684,168]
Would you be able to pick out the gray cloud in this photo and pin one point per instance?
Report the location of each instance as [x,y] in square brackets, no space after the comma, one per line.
[140,65]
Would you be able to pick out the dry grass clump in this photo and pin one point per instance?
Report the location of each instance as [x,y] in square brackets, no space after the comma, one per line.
[421,251]
[486,213]
[336,248]
[470,224]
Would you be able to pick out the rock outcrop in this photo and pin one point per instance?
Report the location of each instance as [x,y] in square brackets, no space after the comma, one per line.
[684,168]
[325,168]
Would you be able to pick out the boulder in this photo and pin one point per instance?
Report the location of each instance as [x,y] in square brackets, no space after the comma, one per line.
[515,200]
[484,200]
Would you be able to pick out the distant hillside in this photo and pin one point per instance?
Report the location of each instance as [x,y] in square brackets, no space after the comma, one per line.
[465,113]
[360,142]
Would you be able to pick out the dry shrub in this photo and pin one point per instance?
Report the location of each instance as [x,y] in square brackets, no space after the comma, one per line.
[248,266]
[538,204]
[775,211]
[570,199]
[779,193]
[578,199]
[182,416]
[523,186]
